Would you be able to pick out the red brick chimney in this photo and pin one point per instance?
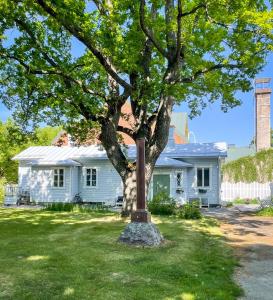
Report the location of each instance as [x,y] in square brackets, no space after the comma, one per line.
[263,129]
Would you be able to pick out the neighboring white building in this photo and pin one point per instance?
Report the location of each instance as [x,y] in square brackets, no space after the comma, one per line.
[57,174]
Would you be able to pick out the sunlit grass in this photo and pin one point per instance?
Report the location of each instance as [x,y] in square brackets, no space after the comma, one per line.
[266,212]
[69,255]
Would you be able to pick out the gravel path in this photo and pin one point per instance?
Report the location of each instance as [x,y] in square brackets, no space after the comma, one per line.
[252,238]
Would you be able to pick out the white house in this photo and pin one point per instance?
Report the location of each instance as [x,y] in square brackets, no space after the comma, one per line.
[57,174]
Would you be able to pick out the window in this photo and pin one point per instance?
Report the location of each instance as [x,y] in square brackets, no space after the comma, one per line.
[203,177]
[58,178]
[179,179]
[91,177]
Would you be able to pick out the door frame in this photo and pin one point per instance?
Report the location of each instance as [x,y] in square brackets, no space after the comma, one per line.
[152,182]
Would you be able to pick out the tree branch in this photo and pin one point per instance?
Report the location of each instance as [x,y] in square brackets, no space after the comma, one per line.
[207,70]
[30,70]
[193,10]
[127,131]
[77,32]
[179,29]
[148,32]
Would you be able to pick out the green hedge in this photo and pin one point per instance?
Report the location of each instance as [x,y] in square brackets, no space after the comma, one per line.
[257,168]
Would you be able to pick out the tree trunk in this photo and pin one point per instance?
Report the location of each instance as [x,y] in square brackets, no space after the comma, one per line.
[154,145]
[130,189]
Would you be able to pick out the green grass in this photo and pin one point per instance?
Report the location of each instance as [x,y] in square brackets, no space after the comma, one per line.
[74,255]
[266,212]
[246,201]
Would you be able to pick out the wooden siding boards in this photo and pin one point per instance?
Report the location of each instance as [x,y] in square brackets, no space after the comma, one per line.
[24,175]
[42,189]
[109,184]
[213,191]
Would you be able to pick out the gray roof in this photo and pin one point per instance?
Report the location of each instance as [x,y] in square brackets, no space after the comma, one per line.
[171,162]
[52,155]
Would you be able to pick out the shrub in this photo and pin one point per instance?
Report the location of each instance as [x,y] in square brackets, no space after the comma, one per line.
[266,212]
[162,204]
[229,204]
[69,207]
[58,206]
[189,211]
[2,190]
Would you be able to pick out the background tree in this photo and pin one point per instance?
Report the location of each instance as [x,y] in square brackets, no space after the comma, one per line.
[13,140]
[154,53]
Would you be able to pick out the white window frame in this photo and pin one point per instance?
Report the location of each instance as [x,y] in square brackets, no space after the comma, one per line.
[181,180]
[85,178]
[58,187]
[210,177]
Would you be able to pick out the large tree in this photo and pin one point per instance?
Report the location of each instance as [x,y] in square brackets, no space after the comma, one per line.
[153,53]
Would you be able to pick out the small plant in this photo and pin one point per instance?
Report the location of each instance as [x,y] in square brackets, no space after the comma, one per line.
[246,201]
[162,204]
[189,211]
[266,212]
[73,207]
[229,204]
[59,206]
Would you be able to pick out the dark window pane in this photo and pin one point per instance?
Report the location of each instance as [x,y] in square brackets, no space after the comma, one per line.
[206,177]
[88,182]
[61,183]
[94,183]
[61,171]
[88,171]
[199,177]
[179,179]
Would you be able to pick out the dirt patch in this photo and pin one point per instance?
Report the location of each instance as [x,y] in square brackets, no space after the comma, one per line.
[252,238]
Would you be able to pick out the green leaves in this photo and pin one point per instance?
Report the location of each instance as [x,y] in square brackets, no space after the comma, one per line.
[58,64]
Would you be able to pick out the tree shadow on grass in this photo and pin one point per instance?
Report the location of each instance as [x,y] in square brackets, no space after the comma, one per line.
[50,255]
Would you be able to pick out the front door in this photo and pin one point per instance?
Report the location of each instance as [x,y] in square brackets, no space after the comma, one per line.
[161,183]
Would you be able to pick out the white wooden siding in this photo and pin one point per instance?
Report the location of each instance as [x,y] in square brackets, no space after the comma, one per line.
[109,184]
[24,175]
[230,191]
[42,189]
[180,198]
[213,191]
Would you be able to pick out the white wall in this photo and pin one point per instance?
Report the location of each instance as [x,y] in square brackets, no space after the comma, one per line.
[230,191]
[42,189]
[24,175]
[213,191]
[109,184]
[180,197]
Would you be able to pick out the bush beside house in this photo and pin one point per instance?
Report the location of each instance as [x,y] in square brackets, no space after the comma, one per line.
[257,168]
[162,204]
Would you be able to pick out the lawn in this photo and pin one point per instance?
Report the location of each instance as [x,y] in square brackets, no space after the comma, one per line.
[266,212]
[50,255]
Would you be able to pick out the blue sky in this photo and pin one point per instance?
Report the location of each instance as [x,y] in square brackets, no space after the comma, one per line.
[234,127]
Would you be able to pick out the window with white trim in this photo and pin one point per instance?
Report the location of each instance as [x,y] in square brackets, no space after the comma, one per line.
[58,178]
[91,177]
[179,178]
[203,177]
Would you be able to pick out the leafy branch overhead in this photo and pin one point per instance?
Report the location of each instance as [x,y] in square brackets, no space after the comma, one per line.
[129,48]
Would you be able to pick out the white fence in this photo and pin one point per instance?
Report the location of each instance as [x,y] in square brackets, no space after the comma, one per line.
[231,191]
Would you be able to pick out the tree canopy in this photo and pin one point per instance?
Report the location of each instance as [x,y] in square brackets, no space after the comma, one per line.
[220,46]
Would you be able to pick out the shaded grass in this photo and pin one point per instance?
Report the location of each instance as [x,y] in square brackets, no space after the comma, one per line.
[51,255]
[265,212]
